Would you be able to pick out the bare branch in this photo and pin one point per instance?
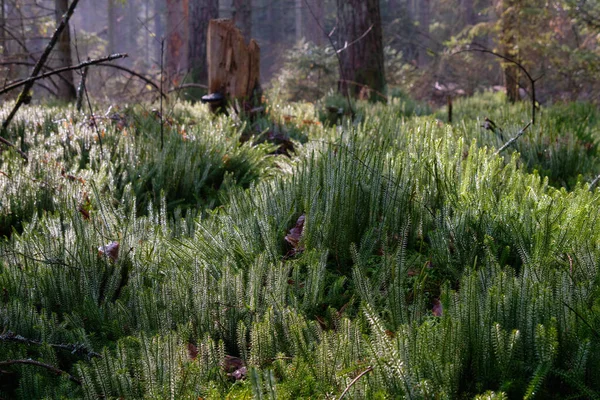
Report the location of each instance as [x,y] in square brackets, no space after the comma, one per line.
[346,45]
[24,96]
[73,348]
[61,70]
[511,141]
[49,367]
[366,371]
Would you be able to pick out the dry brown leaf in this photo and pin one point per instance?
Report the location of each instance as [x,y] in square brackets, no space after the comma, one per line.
[110,250]
[294,236]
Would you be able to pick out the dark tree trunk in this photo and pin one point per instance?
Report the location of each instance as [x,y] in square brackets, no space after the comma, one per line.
[424,23]
[2,29]
[177,40]
[361,48]
[243,17]
[159,26]
[66,88]
[509,15]
[201,12]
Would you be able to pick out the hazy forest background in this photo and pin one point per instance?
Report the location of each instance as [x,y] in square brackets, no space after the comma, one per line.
[405,205]
[555,41]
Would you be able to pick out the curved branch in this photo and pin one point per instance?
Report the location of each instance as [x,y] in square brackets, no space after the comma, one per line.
[366,371]
[60,70]
[532,80]
[49,367]
[24,97]
[138,75]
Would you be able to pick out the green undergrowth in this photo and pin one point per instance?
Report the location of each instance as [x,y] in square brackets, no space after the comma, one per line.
[426,267]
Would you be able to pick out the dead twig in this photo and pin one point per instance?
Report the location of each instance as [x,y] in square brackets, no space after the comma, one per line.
[594,183]
[72,348]
[84,65]
[24,97]
[49,367]
[532,80]
[366,371]
[511,141]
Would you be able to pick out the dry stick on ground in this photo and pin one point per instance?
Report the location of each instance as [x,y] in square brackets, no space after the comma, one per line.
[366,371]
[532,81]
[61,70]
[73,348]
[511,141]
[24,96]
[49,367]
[594,182]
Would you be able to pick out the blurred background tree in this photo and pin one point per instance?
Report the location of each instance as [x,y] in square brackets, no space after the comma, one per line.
[557,40]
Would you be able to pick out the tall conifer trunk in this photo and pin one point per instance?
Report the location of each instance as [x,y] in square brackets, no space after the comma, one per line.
[361,48]
[66,88]
[201,12]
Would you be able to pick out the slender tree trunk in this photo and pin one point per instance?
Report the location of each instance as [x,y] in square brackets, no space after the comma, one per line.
[177,40]
[112,26]
[2,29]
[509,17]
[424,23]
[298,7]
[66,88]
[243,17]
[201,12]
[360,42]
[159,27]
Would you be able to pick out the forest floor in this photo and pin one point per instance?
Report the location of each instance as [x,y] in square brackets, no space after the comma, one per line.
[301,254]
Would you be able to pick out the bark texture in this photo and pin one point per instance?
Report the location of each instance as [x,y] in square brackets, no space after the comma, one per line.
[233,66]
[201,12]
[361,48]
[177,44]
[509,15]
[65,88]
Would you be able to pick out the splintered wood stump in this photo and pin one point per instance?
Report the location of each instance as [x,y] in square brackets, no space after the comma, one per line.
[233,66]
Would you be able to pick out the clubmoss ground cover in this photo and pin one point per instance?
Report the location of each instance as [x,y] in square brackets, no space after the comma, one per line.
[393,256]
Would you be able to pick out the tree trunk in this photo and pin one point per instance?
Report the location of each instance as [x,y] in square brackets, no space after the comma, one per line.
[314,22]
[424,23]
[243,17]
[298,7]
[233,66]
[361,48]
[159,27]
[177,44]
[66,88]
[2,29]
[201,12]
[509,15]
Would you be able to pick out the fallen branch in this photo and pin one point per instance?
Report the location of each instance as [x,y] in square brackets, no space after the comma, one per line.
[511,141]
[49,367]
[24,96]
[366,371]
[61,70]
[72,348]
[594,182]
[9,144]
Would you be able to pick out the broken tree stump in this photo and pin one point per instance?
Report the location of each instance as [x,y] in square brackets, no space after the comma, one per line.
[233,66]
